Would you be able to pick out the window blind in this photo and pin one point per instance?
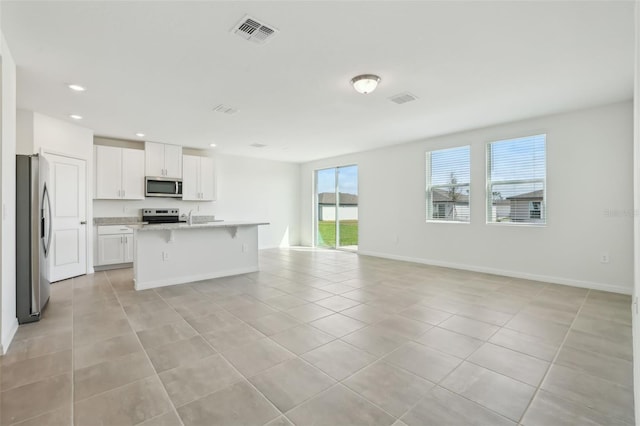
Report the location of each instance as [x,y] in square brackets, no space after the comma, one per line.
[516,180]
[448,177]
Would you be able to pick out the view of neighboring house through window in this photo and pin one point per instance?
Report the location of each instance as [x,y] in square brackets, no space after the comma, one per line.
[337,207]
[516,180]
[448,176]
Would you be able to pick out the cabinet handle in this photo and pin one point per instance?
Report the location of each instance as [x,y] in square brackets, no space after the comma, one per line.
[123,193]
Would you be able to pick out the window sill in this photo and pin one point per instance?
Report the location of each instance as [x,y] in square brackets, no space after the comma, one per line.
[514,224]
[449,221]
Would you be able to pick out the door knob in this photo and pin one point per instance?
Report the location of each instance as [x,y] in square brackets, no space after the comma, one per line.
[84,222]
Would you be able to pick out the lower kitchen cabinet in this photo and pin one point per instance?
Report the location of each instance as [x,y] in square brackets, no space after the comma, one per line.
[115,245]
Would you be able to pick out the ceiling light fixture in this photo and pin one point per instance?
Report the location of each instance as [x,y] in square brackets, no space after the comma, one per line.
[365,83]
[76,116]
[76,88]
[140,135]
[212,145]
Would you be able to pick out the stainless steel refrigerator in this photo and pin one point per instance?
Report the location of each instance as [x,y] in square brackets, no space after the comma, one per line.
[33,237]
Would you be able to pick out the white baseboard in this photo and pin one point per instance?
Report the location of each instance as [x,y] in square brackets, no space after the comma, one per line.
[622,289]
[192,278]
[6,342]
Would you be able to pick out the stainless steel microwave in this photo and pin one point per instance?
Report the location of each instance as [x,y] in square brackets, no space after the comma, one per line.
[163,187]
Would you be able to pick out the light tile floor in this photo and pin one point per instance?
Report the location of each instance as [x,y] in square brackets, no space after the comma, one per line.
[323,338]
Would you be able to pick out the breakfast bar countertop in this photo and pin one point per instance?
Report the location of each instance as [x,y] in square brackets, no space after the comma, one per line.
[182,225]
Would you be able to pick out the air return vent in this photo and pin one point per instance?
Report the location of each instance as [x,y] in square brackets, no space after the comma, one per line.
[225,109]
[403,98]
[253,30]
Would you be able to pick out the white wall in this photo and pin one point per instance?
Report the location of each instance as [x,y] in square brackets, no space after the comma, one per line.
[40,133]
[247,189]
[8,323]
[589,170]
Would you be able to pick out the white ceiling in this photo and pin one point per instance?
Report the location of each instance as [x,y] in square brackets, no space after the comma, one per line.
[161,67]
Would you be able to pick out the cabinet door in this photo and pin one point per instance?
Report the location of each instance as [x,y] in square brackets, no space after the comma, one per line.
[108,162]
[154,159]
[110,249]
[207,179]
[133,174]
[173,161]
[190,187]
[128,248]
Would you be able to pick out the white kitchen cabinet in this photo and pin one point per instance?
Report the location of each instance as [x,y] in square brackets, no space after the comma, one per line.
[115,245]
[198,180]
[119,173]
[162,160]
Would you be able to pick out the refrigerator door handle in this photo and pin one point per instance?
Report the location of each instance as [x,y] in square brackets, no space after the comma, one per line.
[45,196]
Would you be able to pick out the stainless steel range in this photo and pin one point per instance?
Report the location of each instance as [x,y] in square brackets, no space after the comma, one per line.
[161,215]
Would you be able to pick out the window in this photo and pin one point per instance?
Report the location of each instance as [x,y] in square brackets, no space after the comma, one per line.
[516,180]
[448,175]
[535,210]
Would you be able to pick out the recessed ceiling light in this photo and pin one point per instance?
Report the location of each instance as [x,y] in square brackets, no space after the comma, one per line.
[140,135]
[212,145]
[365,83]
[76,116]
[76,88]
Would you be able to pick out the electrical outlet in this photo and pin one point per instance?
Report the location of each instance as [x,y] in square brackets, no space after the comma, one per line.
[166,256]
[604,258]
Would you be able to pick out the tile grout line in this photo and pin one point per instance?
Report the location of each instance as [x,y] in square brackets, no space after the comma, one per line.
[49,377]
[337,382]
[437,384]
[166,394]
[73,353]
[246,379]
[555,357]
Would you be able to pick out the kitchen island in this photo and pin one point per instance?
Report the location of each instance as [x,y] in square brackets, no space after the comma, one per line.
[177,253]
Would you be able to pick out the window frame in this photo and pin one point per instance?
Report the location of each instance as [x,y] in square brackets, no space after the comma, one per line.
[430,211]
[544,217]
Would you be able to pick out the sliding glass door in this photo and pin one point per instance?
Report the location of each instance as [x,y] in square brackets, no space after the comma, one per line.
[337,207]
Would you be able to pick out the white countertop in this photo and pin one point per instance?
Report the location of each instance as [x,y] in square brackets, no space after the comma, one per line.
[178,226]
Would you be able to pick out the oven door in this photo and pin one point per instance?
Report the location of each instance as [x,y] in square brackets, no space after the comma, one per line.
[163,187]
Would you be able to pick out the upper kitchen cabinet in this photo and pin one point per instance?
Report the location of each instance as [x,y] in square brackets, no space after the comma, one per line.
[162,160]
[198,181]
[119,173]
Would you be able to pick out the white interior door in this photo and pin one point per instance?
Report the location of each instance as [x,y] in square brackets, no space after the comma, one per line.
[68,183]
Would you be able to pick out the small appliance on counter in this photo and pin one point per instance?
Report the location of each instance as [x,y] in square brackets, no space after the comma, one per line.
[33,237]
[160,216]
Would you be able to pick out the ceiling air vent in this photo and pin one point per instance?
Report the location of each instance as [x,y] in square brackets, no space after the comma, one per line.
[403,98]
[253,30]
[225,109]
[258,145]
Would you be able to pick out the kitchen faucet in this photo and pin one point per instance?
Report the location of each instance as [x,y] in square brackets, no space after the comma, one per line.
[190,218]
